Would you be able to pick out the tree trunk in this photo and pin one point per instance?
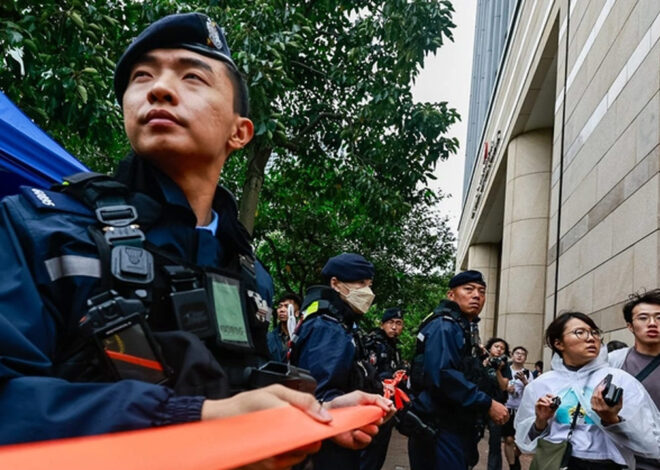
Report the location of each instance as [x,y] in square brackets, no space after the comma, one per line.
[257,158]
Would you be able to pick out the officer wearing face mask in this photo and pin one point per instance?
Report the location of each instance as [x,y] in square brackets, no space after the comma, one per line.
[326,342]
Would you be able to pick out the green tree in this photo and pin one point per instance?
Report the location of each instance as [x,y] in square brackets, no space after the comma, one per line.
[342,155]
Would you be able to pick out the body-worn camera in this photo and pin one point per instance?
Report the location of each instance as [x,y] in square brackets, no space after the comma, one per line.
[123,338]
[497,362]
[556,401]
[611,393]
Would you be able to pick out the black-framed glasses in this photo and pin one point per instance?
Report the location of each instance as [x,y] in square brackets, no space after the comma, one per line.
[646,317]
[583,333]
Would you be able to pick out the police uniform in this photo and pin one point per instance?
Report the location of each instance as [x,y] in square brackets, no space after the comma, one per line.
[52,263]
[448,381]
[325,344]
[383,354]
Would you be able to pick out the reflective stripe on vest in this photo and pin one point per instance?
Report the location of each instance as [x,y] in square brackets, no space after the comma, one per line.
[73,265]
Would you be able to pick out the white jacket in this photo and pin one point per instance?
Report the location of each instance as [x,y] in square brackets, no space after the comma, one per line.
[638,433]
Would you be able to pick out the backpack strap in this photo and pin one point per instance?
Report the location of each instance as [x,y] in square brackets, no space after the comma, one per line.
[650,367]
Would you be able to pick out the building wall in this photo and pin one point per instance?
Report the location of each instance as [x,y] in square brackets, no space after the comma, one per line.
[592,75]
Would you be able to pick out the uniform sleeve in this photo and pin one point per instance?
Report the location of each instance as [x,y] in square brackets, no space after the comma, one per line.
[40,406]
[327,351]
[442,357]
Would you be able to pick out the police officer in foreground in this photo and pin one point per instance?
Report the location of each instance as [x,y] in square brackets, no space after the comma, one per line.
[120,296]
[326,343]
[446,378]
[382,351]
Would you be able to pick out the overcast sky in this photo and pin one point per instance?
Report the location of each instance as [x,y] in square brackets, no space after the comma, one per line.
[446,77]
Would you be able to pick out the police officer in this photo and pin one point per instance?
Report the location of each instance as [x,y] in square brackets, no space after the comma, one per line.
[325,344]
[445,375]
[149,241]
[381,346]
[278,337]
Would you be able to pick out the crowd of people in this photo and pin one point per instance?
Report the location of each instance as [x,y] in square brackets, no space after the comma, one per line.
[153,264]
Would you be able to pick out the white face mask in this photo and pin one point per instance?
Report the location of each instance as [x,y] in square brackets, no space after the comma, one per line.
[359,299]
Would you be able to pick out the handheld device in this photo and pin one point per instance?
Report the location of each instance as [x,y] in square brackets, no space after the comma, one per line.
[556,401]
[611,393]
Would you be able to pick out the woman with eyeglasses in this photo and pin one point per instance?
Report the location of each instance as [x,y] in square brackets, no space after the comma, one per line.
[605,437]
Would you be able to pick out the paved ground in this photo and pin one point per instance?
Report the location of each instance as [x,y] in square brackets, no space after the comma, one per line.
[397,455]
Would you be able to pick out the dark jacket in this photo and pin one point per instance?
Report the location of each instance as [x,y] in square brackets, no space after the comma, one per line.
[324,343]
[448,394]
[50,267]
[383,353]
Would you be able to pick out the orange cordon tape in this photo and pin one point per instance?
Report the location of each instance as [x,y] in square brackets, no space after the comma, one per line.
[390,389]
[208,445]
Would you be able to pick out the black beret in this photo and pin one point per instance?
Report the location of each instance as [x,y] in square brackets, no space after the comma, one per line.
[390,313]
[466,277]
[192,31]
[348,267]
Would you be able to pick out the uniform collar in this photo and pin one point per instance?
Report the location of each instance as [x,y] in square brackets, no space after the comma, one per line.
[141,176]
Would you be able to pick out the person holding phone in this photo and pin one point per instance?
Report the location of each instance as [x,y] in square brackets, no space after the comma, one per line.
[521,377]
[605,436]
[279,336]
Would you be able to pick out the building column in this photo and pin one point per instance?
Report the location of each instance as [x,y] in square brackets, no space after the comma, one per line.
[525,241]
[485,258]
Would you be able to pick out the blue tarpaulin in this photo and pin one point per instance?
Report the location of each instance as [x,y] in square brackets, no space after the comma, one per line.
[28,156]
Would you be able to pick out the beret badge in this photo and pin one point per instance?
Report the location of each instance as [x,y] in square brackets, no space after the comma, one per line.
[214,39]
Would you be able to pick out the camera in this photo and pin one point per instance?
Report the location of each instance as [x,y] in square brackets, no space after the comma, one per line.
[497,362]
[556,401]
[611,393]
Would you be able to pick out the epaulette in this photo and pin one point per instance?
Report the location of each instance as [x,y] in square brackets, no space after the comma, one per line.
[46,200]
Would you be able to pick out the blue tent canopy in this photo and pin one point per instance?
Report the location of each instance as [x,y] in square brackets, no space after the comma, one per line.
[28,156]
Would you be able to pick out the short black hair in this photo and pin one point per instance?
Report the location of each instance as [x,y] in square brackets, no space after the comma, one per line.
[519,347]
[640,297]
[498,340]
[295,298]
[615,344]
[538,364]
[241,93]
[555,330]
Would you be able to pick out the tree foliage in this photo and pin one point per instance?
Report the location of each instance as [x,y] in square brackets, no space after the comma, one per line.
[342,156]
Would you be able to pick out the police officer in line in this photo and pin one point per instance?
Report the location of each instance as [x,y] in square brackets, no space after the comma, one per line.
[382,351]
[453,394]
[144,247]
[279,336]
[326,344]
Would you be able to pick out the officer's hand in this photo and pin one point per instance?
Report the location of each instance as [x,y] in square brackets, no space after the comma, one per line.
[608,414]
[360,438]
[498,412]
[273,396]
[544,411]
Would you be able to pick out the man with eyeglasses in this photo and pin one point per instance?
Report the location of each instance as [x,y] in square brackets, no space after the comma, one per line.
[642,315]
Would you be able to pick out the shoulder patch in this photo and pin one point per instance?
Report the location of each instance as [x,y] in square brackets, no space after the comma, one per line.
[312,308]
[43,199]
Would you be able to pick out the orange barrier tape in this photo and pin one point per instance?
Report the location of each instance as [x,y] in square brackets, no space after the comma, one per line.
[209,445]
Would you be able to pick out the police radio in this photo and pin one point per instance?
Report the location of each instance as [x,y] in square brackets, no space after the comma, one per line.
[123,338]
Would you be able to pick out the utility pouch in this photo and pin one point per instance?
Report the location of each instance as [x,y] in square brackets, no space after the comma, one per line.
[123,338]
[409,424]
[280,373]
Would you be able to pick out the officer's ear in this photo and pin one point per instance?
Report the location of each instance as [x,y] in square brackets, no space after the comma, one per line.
[242,134]
[451,295]
[336,284]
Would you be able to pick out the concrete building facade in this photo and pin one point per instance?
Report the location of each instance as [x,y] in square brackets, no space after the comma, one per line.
[561,196]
